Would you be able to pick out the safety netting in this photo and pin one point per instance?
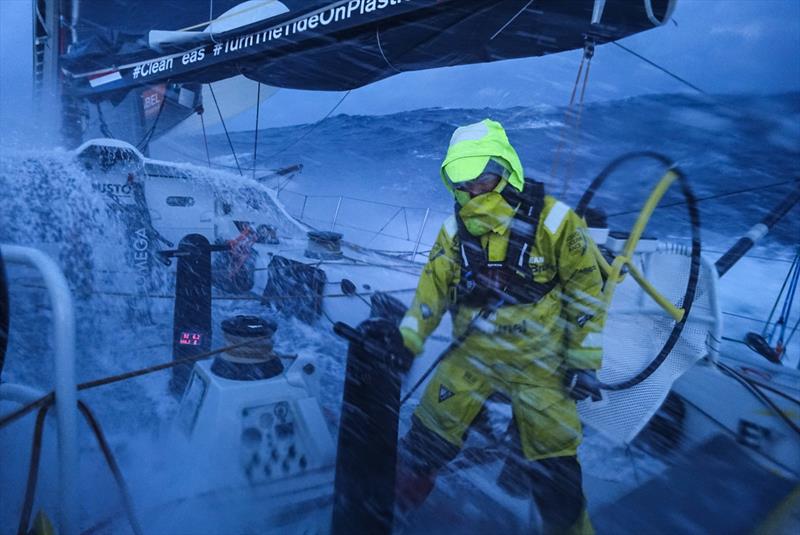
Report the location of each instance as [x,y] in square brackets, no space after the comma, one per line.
[637,328]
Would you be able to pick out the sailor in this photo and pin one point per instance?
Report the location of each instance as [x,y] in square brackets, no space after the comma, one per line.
[515,269]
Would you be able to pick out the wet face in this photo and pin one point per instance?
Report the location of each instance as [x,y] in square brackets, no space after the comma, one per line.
[484,183]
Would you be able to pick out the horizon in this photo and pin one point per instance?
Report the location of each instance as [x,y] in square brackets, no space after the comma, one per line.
[723,46]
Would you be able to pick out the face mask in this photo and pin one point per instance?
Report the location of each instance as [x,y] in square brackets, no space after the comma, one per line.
[485,213]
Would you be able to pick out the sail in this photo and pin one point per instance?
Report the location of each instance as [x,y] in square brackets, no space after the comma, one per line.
[351,43]
[234,95]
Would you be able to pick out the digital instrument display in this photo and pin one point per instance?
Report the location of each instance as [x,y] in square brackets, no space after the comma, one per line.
[189,338]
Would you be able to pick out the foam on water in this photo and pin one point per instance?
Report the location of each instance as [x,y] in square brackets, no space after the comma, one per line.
[49,202]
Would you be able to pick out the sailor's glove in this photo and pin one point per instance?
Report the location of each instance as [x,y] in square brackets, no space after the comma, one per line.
[384,336]
[581,384]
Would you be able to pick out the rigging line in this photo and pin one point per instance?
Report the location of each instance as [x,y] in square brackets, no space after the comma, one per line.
[145,141]
[113,466]
[48,398]
[311,129]
[512,19]
[735,436]
[103,125]
[758,394]
[780,294]
[224,127]
[255,134]
[380,230]
[659,67]
[562,137]
[772,389]
[576,132]
[745,317]
[33,471]
[711,197]
[786,310]
[791,334]
[380,48]
[205,136]
[225,17]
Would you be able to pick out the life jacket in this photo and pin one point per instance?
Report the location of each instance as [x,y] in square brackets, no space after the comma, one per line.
[510,282]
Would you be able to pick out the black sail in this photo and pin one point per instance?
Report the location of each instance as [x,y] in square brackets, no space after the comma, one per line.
[345,44]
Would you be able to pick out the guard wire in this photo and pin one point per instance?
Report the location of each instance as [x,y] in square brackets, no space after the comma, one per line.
[694,269]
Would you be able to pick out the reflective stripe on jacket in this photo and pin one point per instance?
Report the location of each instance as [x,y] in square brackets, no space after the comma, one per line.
[528,343]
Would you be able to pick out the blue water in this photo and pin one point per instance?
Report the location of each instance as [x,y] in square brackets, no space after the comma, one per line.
[724,145]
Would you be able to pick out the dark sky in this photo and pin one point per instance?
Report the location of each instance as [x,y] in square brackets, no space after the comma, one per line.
[723,46]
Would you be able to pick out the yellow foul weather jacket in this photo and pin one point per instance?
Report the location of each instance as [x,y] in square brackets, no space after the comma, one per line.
[521,350]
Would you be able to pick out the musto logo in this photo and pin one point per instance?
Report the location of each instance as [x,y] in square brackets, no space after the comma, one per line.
[113,189]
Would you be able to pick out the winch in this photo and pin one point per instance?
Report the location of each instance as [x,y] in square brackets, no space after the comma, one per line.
[253,361]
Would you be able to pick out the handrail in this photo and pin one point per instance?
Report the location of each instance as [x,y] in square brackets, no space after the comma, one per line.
[65,389]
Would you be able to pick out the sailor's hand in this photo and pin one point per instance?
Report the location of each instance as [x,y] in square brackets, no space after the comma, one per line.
[581,384]
[385,335]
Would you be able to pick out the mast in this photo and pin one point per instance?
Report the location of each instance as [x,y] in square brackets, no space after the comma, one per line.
[54,29]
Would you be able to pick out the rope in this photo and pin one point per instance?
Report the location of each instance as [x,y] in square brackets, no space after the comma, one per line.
[562,137]
[112,466]
[791,334]
[255,134]
[573,130]
[145,141]
[33,472]
[458,342]
[380,230]
[205,136]
[777,299]
[48,398]
[659,67]
[4,315]
[35,462]
[225,128]
[711,197]
[311,129]
[226,17]
[576,131]
[755,390]
[793,276]
[106,131]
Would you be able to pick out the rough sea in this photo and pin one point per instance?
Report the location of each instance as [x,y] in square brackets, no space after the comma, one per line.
[374,178]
